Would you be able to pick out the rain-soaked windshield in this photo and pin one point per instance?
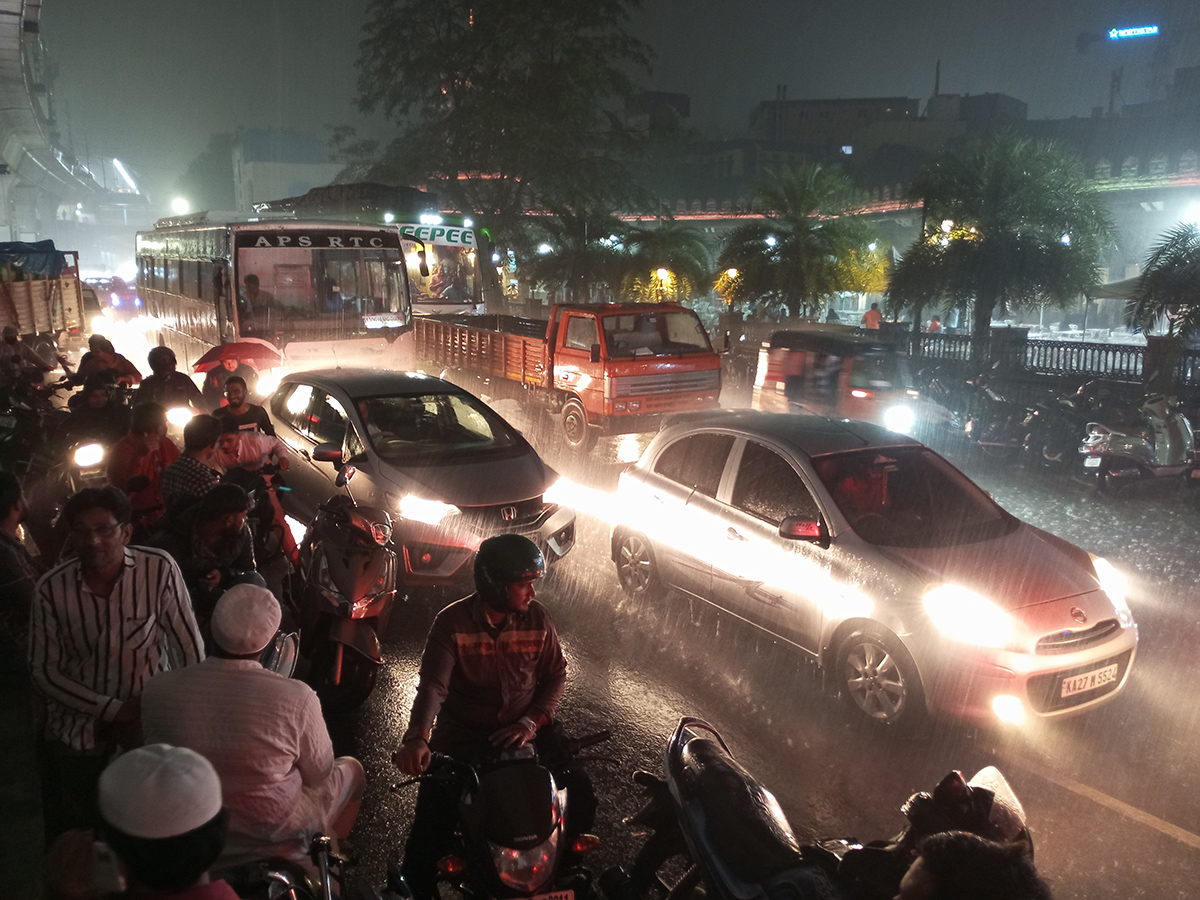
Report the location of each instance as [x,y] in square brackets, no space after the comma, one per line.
[910,497]
[442,427]
[654,334]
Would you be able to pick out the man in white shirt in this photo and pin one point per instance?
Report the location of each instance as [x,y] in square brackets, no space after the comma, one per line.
[262,732]
[101,625]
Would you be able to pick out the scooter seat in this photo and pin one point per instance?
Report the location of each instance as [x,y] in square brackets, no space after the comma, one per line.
[744,823]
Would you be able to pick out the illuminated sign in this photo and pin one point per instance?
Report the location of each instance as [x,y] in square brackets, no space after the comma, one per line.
[440,235]
[1117,34]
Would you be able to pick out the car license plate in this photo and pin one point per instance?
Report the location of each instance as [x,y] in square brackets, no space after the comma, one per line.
[8,422]
[1077,684]
[1091,462]
[555,895]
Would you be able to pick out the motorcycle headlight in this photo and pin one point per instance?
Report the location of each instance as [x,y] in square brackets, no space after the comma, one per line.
[1113,583]
[418,509]
[88,455]
[526,870]
[963,615]
[179,415]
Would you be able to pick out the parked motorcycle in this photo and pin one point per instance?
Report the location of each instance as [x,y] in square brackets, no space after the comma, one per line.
[734,839]
[518,836]
[1056,426]
[1160,444]
[345,585]
[282,879]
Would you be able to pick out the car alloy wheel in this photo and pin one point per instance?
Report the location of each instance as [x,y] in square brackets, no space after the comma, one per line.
[878,677]
[637,569]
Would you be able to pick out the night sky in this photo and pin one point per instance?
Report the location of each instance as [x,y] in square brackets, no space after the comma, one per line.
[150,81]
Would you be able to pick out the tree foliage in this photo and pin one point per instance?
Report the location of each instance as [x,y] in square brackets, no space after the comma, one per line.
[804,250]
[1009,224]
[208,181]
[1169,285]
[502,103]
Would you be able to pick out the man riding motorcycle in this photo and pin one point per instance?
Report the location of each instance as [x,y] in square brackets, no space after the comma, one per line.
[492,673]
[167,386]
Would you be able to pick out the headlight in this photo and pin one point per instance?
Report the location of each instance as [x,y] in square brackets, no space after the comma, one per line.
[1113,583]
[89,455]
[965,616]
[179,415]
[899,419]
[431,512]
[526,870]
[268,382]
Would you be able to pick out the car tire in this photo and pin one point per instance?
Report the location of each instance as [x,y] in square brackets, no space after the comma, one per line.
[579,436]
[877,677]
[637,567]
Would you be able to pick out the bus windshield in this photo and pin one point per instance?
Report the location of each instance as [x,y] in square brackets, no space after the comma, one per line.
[312,291]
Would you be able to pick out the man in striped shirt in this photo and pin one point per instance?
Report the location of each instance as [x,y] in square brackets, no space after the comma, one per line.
[102,624]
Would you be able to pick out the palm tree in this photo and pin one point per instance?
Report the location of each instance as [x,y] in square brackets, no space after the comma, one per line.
[1169,285]
[803,251]
[1010,223]
[668,262]
[578,251]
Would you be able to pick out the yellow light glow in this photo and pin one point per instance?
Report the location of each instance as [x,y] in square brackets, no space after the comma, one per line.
[179,416]
[431,512]
[1009,709]
[731,273]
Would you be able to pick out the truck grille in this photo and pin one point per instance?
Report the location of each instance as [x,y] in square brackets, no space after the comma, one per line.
[666,383]
[1044,690]
[1070,641]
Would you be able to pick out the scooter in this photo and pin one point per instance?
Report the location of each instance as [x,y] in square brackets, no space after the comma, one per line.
[1160,445]
[516,836]
[346,586]
[736,843]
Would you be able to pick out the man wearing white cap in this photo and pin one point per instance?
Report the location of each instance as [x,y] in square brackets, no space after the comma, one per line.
[162,817]
[263,733]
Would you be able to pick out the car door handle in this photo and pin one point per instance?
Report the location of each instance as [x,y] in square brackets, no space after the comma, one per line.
[733,535]
[305,454]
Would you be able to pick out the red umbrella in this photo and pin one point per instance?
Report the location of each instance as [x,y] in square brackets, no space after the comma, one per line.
[254,351]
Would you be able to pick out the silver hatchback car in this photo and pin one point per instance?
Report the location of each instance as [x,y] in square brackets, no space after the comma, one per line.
[448,468]
[878,558]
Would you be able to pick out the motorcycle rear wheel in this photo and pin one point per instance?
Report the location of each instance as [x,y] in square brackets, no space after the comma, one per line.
[352,689]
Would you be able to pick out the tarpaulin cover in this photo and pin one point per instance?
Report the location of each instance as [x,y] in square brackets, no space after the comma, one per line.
[39,257]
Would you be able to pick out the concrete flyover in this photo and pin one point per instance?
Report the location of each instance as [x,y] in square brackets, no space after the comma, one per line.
[38,175]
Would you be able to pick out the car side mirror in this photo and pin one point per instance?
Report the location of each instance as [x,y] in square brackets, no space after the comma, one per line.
[800,529]
[594,354]
[328,453]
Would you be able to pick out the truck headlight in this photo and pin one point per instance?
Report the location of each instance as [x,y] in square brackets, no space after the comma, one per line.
[965,616]
[418,509]
[88,455]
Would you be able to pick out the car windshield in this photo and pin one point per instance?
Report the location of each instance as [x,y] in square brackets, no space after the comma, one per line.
[442,426]
[654,334]
[910,497]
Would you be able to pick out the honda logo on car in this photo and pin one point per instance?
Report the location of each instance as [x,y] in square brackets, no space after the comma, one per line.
[440,234]
[508,513]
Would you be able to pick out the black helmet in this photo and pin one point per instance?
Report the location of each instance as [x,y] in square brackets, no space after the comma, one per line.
[504,560]
[160,358]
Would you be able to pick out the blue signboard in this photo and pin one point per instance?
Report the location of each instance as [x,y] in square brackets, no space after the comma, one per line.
[1118,34]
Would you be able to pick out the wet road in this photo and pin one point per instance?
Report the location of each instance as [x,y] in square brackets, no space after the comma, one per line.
[1110,795]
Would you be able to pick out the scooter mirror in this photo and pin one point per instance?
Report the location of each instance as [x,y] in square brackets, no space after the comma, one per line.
[345,473]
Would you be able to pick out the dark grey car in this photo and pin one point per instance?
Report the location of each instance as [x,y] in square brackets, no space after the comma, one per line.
[449,469]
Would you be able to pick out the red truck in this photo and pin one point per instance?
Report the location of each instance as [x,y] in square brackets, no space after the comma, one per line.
[604,368]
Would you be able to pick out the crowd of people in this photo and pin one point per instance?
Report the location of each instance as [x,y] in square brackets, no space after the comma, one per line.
[161,733]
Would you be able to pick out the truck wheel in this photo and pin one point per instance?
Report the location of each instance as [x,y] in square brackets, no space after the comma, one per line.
[579,435]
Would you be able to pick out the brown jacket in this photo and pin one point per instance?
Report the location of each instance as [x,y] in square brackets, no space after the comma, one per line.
[475,679]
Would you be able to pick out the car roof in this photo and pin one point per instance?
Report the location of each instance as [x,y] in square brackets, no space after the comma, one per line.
[373,382]
[812,435]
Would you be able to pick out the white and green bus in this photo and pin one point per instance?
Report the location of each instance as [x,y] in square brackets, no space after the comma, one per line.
[462,266]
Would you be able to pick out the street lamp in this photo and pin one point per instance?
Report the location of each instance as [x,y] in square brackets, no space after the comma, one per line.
[180,206]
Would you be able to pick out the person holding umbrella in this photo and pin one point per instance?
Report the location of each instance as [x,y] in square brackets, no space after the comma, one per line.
[219,375]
